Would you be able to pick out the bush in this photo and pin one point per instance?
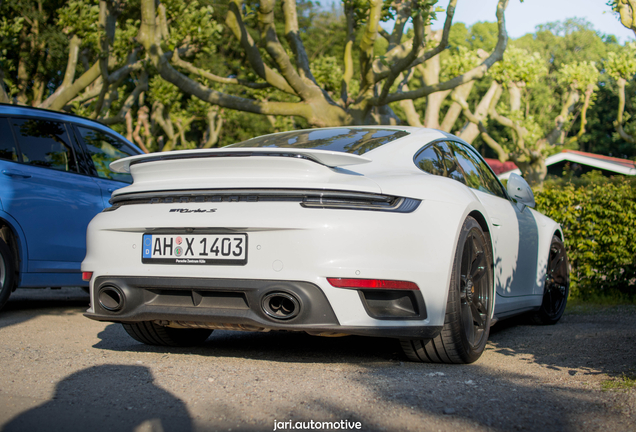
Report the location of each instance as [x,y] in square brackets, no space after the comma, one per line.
[599,222]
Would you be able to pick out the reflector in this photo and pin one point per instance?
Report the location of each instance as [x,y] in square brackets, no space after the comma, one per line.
[87,276]
[372,283]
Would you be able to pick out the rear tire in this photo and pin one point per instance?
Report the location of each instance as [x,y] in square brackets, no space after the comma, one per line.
[150,333]
[468,309]
[557,286]
[7,273]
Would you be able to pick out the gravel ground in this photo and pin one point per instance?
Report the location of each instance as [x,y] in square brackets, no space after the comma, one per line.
[61,371]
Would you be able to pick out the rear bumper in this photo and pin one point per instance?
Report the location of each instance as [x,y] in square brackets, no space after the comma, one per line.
[233,304]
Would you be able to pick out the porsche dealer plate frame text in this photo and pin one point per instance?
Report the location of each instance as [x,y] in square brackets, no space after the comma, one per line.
[194,249]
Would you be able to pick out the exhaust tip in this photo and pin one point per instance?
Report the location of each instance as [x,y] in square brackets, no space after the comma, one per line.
[111,298]
[280,305]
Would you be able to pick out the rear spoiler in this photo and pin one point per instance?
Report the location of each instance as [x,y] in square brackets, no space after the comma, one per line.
[327,158]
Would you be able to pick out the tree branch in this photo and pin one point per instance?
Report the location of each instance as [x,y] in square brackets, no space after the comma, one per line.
[502,155]
[561,120]
[367,43]
[403,14]
[293,37]
[586,104]
[621,109]
[475,73]
[141,86]
[177,61]
[276,50]
[234,21]
[348,55]
[402,64]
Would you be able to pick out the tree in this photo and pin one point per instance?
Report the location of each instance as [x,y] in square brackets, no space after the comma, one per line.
[621,67]
[283,68]
[626,10]
[527,143]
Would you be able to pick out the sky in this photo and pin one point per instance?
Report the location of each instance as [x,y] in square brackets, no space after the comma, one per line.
[522,18]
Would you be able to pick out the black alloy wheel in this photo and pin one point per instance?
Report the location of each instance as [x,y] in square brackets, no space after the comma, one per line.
[557,285]
[474,291]
[469,306]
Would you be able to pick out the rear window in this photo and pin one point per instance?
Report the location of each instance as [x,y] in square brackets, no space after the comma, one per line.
[346,140]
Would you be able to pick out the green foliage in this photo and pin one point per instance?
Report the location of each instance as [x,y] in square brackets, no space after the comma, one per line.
[481,35]
[164,92]
[599,223]
[81,18]
[193,23]
[579,75]
[328,73]
[518,65]
[461,61]
[622,64]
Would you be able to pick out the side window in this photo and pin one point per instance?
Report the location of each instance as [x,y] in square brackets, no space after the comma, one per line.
[7,143]
[437,159]
[429,160]
[453,170]
[467,164]
[45,143]
[478,176]
[104,149]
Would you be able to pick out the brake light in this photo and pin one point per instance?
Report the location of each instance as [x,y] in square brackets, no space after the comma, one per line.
[86,276]
[372,284]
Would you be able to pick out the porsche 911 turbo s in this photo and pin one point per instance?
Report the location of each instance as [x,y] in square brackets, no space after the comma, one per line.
[382,231]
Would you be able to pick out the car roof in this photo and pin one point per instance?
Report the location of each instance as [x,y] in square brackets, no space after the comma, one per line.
[26,111]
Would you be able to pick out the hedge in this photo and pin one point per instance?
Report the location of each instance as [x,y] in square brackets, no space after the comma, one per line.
[599,223]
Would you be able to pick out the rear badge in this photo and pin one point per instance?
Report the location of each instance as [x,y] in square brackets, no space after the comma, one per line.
[182,210]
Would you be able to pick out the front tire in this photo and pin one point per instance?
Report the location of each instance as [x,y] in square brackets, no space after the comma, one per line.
[150,333]
[7,273]
[557,285]
[468,309]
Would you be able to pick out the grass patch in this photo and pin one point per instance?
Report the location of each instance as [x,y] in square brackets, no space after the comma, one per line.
[624,382]
[612,298]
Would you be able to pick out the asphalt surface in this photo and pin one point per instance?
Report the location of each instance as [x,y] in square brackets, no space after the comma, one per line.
[60,371]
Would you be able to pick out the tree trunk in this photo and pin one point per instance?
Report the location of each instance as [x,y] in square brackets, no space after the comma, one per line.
[470,131]
[534,172]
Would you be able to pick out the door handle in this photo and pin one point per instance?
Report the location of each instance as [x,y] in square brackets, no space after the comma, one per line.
[14,173]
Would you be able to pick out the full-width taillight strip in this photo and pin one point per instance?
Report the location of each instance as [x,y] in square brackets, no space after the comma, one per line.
[372,284]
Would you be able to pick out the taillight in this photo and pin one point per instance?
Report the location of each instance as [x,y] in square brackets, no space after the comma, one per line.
[372,283]
[86,276]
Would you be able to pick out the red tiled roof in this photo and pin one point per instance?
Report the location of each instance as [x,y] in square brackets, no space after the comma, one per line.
[499,167]
[623,162]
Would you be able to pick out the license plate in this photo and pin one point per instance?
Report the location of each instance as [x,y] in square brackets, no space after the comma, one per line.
[198,249]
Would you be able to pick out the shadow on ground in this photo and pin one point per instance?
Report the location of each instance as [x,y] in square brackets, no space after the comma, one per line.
[294,347]
[106,398]
[25,304]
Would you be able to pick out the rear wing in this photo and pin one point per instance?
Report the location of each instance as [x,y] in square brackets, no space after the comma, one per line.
[327,158]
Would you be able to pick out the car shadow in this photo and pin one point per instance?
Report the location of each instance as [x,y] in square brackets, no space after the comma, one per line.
[295,347]
[588,344]
[585,353]
[27,303]
[106,398]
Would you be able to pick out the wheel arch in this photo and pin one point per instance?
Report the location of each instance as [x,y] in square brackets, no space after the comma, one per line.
[11,233]
[477,212]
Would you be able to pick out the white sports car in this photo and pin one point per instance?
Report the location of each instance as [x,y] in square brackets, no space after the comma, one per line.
[380,231]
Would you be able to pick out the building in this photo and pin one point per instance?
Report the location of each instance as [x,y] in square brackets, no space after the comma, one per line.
[580,162]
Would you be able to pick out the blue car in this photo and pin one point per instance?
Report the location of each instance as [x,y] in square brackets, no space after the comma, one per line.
[54,178]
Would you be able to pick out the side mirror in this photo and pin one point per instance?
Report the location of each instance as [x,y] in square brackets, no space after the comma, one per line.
[520,191]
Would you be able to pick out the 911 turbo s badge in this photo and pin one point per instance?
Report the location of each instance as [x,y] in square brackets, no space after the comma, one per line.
[182,210]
